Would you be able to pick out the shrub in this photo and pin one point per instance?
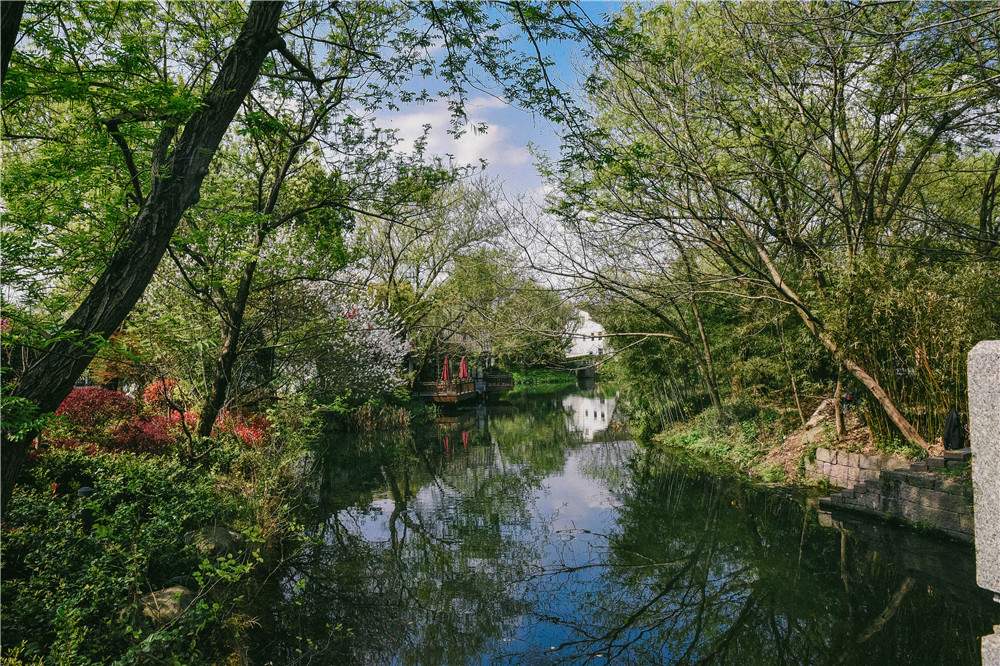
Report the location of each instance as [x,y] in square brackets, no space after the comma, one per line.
[252,429]
[160,393]
[143,434]
[96,406]
[67,592]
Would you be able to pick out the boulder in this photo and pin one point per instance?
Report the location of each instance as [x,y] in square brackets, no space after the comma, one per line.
[216,541]
[164,606]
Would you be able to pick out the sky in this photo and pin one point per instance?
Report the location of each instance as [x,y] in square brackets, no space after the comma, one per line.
[511,130]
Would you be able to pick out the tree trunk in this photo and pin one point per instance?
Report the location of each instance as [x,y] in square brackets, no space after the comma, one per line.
[838,413]
[51,375]
[231,334]
[10,23]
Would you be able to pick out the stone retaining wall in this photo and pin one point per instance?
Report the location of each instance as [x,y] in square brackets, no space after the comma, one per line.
[846,470]
[915,495]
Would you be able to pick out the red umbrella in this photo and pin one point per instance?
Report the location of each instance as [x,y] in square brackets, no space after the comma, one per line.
[463,370]
[446,373]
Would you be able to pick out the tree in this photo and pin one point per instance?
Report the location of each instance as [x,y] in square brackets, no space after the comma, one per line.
[178,164]
[166,115]
[786,146]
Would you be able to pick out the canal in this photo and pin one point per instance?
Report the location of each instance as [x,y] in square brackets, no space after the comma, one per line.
[534,532]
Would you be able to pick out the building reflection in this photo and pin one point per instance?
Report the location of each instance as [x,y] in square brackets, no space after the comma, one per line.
[588,416]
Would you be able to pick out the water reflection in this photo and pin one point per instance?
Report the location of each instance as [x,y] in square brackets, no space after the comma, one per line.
[501,535]
[589,415]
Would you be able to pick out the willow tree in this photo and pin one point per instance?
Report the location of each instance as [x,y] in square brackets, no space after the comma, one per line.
[794,147]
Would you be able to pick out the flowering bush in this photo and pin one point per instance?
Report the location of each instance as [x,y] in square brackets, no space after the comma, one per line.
[189,418]
[252,430]
[98,419]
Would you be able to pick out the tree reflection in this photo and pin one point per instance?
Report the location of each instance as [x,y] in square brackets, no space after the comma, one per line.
[704,570]
[500,536]
[426,543]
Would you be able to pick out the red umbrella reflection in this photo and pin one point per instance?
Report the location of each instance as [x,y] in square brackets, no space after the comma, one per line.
[446,373]
[463,370]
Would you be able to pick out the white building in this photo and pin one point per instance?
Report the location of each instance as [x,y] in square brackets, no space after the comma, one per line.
[586,337]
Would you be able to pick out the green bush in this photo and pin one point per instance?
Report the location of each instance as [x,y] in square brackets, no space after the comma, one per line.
[67,592]
[70,593]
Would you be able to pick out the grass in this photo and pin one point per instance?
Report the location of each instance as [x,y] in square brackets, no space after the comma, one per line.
[543,377]
[743,437]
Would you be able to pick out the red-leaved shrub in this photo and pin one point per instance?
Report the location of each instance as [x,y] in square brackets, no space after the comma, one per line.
[143,434]
[190,419]
[162,395]
[252,429]
[96,406]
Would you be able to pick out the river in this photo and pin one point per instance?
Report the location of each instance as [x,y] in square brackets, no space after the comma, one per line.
[534,532]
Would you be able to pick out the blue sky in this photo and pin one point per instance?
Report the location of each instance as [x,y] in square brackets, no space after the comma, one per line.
[510,129]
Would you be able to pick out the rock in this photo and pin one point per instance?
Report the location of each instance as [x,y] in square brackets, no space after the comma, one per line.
[216,541]
[819,414]
[164,606]
[814,435]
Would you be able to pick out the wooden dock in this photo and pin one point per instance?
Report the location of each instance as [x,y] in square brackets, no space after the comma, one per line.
[500,383]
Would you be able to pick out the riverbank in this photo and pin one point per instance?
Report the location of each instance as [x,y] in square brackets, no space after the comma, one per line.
[928,490]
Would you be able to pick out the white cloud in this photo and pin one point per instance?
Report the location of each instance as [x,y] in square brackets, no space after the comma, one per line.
[502,147]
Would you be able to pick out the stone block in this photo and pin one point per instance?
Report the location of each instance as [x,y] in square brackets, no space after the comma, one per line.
[165,606]
[960,455]
[823,454]
[945,502]
[953,487]
[967,523]
[935,463]
[921,480]
[991,646]
[984,428]
[873,501]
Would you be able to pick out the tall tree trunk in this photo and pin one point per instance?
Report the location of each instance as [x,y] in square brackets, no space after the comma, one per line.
[987,208]
[838,413]
[791,376]
[10,23]
[52,372]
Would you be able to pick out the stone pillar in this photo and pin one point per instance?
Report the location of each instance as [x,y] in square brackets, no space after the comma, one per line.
[984,429]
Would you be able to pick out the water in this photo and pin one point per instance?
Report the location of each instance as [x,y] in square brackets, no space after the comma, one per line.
[533,532]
